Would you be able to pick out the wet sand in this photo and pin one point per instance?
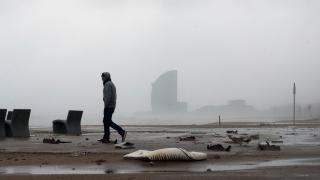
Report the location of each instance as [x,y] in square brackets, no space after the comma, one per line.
[85,158]
[293,173]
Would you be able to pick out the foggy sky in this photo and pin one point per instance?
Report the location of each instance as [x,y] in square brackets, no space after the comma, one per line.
[53,52]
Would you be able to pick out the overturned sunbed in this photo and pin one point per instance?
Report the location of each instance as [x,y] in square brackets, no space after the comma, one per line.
[167,154]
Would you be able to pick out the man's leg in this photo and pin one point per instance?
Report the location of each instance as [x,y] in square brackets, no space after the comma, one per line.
[106,123]
[117,127]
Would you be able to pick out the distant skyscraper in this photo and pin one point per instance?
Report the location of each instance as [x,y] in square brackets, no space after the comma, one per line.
[164,95]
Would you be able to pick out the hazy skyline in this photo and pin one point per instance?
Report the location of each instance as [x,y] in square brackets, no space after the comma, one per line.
[53,52]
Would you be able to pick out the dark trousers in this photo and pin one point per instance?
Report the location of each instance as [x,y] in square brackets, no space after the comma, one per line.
[107,123]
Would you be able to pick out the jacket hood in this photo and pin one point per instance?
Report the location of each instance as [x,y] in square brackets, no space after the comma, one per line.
[106,76]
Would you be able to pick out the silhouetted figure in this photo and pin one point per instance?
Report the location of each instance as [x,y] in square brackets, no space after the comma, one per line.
[110,99]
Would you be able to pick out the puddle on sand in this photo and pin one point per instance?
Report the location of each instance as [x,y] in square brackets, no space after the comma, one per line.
[274,163]
[126,168]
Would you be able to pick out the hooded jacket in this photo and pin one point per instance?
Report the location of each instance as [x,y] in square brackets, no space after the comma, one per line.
[109,95]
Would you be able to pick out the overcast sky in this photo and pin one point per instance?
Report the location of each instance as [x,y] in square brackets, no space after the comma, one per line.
[53,52]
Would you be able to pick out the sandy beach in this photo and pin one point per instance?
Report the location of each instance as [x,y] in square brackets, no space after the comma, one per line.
[85,158]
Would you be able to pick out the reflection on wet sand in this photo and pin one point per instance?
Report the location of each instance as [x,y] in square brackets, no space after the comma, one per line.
[130,168]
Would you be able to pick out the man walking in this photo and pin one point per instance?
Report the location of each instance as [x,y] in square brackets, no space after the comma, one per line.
[109,98]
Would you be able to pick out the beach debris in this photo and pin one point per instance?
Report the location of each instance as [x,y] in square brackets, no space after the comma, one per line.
[100,161]
[124,145]
[239,139]
[151,163]
[167,154]
[232,131]
[54,141]
[218,147]
[108,171]
[267,146]
[209,170]
[277,141]
[187,138]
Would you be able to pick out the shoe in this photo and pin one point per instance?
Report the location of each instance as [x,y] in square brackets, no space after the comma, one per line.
[124,136]
[104,141]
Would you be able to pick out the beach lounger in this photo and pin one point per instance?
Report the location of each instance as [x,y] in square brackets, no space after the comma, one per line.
[71,126]
[18,126]
[3,113]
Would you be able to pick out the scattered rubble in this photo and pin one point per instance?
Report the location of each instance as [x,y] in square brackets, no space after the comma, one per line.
[267,146]
[218,147]
[232,131]
[53,141]
[108,171]
[240,139]
[100,161]
[151,163]
[187,138]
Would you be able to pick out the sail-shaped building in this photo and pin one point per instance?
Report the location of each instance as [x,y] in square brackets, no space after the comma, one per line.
[164,95]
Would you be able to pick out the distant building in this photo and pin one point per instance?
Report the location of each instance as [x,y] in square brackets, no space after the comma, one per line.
[164,95]
[234,108]
[238,103]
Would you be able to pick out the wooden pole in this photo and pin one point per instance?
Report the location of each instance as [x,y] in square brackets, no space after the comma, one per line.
[219,120]
[294,103]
